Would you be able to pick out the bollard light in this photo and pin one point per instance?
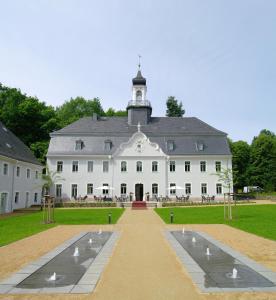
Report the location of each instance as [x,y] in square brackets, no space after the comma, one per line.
[109,218]
[171,217]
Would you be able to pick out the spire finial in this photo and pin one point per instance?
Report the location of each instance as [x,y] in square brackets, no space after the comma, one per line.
[139,64]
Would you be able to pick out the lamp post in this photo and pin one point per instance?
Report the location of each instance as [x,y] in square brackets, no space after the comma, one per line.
[172,215]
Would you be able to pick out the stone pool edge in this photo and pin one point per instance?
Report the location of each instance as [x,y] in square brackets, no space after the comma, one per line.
[197,274]
[85,285]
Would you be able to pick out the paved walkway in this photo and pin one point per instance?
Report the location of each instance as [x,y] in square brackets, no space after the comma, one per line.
[143,265]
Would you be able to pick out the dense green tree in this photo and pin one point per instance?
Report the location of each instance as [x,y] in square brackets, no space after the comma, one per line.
[113,113]
[27,117]
[240,163]
[174,109]
[77,108]
[262,170]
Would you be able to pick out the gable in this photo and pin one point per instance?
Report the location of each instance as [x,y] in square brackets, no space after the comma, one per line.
[139,145]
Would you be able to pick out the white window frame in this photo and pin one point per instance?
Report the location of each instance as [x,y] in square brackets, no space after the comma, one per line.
[219,185]
[204,186]
[139,166]
[154,166]
[217,162]
[154,189]
[35,197]
[123,166]
[105,166]
[75,189]
[172,191]
[57,194]
[187,166]
[123,188]
[16,199]
[18,171]
[90,188]
[75,167]
[60,166]
[90,166]
[188,185]
[201,164]
[172,166]
[106,191]
[5,169]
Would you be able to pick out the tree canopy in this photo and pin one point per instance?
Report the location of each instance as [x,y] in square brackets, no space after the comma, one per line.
[174,109]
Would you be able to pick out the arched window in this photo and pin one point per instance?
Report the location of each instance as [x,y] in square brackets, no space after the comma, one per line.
[154,189]
[139,95]
[139,166]
[123,166]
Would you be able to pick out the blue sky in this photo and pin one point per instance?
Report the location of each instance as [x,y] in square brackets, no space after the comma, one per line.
[217,56]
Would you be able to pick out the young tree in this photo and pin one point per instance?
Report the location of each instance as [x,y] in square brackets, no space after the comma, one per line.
[174,109]
[225,176]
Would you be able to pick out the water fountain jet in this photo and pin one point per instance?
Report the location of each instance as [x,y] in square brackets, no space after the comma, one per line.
[208,251]
[76,253]
[234,273]
[53,277]
[183,230]
[90,241]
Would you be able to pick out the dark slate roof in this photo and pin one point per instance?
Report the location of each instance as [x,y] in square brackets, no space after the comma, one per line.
[185,132]
[119,126]
[13,147]
[139,79]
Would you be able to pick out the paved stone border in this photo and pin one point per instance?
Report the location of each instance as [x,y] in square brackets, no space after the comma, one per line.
[86,284]
[197,274]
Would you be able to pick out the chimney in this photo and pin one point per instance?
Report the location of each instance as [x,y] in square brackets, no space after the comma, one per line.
[95,117]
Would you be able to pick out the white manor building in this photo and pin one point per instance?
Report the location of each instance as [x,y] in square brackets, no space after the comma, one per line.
[138,155]
[20,173]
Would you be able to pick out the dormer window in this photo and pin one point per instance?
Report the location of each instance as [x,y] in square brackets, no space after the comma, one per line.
[107,145]
[139,95]
[79,145]
[200,146]
[170,145]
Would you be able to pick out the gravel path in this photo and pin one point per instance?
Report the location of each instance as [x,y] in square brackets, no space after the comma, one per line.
[143,265]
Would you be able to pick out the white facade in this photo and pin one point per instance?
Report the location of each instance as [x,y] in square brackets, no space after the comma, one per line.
[20,184]
[156,176]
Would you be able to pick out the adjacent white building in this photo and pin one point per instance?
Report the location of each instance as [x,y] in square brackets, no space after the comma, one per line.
[20,173]
[138,155]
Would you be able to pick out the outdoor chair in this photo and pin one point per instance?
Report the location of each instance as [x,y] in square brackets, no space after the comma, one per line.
[203,199]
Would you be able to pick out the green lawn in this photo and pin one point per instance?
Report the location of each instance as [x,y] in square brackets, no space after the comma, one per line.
[257,219]
[17,227]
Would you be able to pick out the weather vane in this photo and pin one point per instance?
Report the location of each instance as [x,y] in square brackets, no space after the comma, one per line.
[139,65]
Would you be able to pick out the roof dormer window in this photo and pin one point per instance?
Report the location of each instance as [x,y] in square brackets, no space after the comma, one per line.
[170,145]
[200,146]
[79,145]
[107,145]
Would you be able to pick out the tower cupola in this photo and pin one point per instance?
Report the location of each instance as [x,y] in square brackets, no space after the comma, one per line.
[139,108]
